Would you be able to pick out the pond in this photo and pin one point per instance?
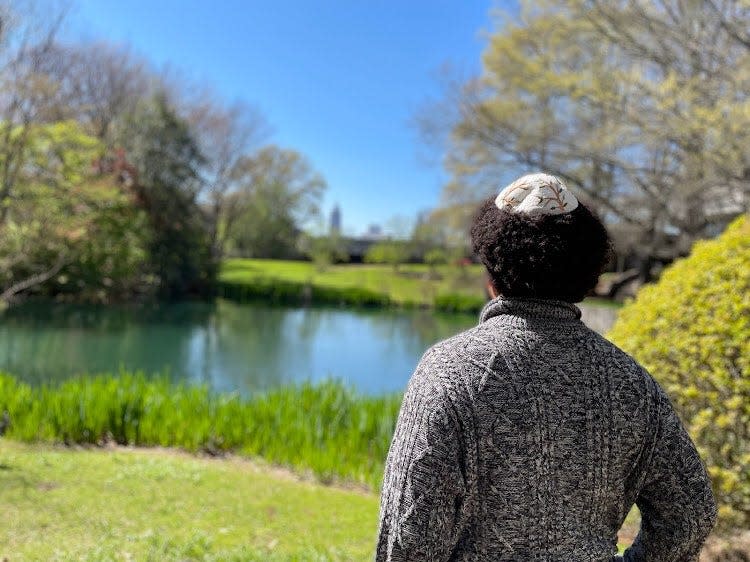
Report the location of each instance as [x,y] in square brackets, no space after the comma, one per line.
[228,346]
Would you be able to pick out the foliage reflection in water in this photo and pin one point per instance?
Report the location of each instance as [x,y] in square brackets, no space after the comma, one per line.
[227,346]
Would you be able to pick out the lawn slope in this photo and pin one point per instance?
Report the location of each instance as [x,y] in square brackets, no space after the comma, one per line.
[444,287]
[141,504]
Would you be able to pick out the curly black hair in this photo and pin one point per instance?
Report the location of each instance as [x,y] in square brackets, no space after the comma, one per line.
[543,256]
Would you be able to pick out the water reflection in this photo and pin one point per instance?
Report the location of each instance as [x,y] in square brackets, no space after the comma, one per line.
[227,346]
[41,341]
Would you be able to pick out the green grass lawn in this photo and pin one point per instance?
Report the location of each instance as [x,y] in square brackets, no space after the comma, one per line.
[64,503]
[447,288]
[94,504]
[412,284]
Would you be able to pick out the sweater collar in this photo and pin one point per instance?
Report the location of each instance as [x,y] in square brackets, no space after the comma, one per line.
[530,308]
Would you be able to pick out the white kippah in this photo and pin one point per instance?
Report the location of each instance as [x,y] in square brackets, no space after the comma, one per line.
[537,194]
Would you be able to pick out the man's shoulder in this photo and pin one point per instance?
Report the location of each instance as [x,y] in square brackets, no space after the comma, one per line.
[456,350]
[453,365]
[477,350]
[618,356]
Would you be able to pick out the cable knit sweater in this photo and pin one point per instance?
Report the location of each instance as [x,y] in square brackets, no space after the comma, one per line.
[529,438]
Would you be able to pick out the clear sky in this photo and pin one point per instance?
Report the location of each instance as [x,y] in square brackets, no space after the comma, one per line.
[337,80]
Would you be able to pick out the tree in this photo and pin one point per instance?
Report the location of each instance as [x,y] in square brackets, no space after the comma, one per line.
[278,194]
[111,261]
[391,252]
[325,249]
[165,155]
[67,230]
[226,134]
[63,227]
[435,257]
[97,84]
[25,92]
[427,235]
[640,107]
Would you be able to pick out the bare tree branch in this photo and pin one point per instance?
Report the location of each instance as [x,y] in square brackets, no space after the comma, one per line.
[34,280]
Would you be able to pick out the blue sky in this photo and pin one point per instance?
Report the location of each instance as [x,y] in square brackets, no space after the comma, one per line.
[337,80]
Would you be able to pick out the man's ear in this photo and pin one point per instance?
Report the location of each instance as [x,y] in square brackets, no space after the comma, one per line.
[491,289]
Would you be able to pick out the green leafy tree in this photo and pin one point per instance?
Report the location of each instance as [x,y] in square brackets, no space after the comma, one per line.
[325,249]
[161,147]
[111,260]
[640,107]
[279,193]
[388,252]
[435,257]
[427,235]
[65,229]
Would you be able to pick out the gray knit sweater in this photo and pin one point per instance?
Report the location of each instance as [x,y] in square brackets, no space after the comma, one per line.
[529,438]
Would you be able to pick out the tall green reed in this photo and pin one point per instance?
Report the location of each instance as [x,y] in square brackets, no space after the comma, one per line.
[326,428]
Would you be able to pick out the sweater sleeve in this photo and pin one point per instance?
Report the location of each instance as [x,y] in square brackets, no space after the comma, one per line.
[677,506]
[423,486]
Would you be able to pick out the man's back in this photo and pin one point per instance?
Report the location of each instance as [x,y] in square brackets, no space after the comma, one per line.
[529,437]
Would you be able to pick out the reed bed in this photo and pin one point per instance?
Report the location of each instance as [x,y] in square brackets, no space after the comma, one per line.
[275,291]
[326,428]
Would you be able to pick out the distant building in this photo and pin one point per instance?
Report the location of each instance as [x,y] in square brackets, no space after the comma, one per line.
[357,246]
[374,231]
[336,220]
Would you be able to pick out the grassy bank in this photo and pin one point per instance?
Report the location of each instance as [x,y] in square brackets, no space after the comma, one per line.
[448,288]
[67,503]
[88,504]
[327,429]
[159,505]
[444,288]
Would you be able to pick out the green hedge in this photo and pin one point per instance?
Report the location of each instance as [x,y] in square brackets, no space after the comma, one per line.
[276,291]
[691,330]
[456,302]
[325,428]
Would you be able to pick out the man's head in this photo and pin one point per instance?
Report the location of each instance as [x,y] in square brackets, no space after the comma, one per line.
[537,240]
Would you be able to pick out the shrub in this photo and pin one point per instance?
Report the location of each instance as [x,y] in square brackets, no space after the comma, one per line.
[458,302]
[691,330]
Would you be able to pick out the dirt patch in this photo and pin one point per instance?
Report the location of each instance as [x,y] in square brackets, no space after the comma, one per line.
[732,548]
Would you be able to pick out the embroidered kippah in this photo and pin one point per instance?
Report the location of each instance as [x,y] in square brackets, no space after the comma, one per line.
[537,194]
